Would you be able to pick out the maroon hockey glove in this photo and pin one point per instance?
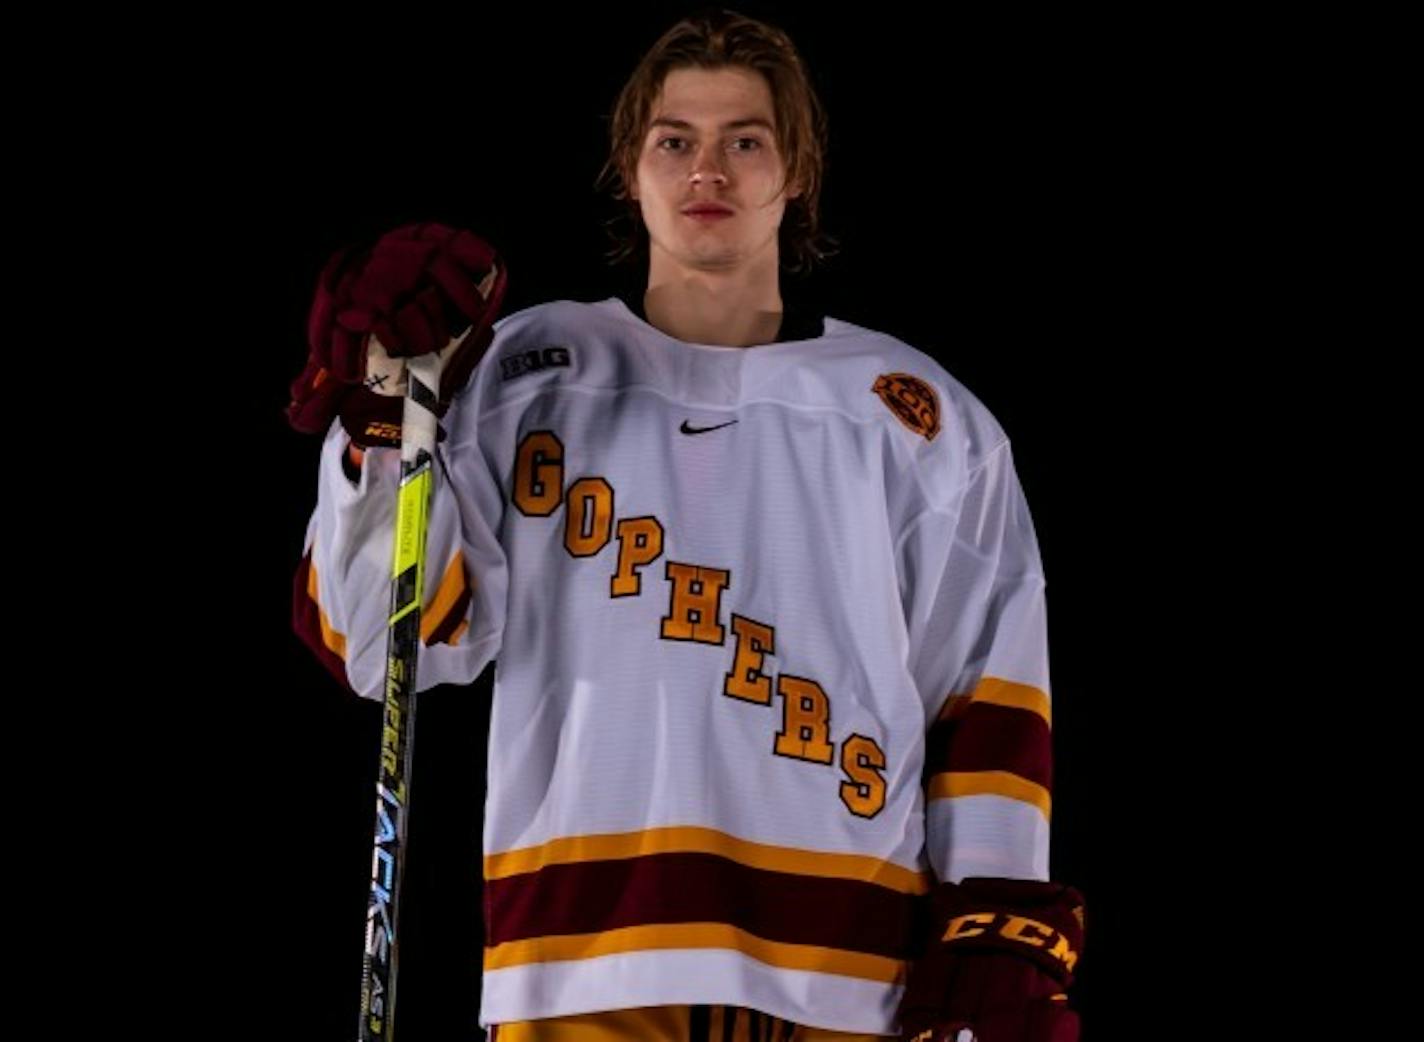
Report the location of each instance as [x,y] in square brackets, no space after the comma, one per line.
[1000,964]
[419,288]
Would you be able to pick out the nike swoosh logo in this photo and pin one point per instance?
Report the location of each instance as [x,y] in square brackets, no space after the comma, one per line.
[686,429]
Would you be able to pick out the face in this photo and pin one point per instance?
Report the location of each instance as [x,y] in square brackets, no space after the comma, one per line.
[711,140]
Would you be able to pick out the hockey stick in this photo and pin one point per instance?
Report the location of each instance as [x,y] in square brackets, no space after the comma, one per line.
[418,437]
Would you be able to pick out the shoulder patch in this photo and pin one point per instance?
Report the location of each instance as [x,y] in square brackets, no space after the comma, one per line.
[913,402]
[531,360]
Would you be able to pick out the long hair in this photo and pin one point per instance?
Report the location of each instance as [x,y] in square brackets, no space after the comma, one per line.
[713,39]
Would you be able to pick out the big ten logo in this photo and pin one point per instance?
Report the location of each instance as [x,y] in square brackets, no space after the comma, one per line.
[534,360]
[695,615]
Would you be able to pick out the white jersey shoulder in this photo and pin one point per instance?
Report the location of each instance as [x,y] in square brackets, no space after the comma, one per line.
[863,374]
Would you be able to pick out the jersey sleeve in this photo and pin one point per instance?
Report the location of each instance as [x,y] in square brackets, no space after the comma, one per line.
[342,591]
[979,656]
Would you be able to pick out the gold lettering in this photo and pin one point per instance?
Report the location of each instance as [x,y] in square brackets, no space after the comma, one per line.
[539,474]
[588,516]
[1063,953]
[960,926]
[696,595]
[754,641]
[862,760]
[805,721]
[1017,929]
[640,543]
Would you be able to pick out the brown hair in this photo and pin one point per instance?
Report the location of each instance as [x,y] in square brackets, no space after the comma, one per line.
[712,39]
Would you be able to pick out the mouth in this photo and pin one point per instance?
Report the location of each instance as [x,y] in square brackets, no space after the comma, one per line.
[706,213]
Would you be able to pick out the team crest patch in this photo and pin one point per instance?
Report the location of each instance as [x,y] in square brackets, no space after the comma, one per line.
[913,402]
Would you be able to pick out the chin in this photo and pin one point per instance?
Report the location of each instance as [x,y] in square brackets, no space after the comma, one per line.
[722,262]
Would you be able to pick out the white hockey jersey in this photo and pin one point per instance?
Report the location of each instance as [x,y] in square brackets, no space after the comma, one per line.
[771,657]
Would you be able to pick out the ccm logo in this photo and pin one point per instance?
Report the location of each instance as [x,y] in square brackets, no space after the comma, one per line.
[511,367]
[1018,929]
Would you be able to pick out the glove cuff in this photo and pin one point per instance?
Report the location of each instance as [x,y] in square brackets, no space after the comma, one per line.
[373,421]
[1039,921]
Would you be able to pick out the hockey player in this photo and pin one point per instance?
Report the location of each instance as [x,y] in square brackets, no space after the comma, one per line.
[770,750]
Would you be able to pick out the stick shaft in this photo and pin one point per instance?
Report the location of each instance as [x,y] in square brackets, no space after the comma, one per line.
[418,438]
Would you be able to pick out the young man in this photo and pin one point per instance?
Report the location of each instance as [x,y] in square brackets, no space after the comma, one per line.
[769,750]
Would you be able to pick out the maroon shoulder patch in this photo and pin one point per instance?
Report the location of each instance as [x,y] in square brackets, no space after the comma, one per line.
[913,402]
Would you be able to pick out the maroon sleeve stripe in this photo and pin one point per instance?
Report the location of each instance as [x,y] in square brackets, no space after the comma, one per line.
[988,737]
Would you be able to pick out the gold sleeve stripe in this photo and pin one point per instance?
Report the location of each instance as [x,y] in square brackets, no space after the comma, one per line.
[695,935]
[1000,692]
[458,632]
[335,642]
[453,584]
[990,783]
[691,839]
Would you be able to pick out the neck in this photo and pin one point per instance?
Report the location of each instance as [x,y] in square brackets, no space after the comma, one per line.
[734,309]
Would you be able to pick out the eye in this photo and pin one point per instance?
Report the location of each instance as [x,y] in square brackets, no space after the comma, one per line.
[753,142]
[666,140]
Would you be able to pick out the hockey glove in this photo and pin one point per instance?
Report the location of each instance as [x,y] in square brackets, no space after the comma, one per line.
[419,288]
[999,965]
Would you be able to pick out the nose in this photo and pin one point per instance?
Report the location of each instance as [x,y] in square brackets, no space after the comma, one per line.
[706,165]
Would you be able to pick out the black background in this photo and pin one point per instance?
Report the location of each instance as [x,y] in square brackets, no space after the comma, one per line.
[1024,200]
